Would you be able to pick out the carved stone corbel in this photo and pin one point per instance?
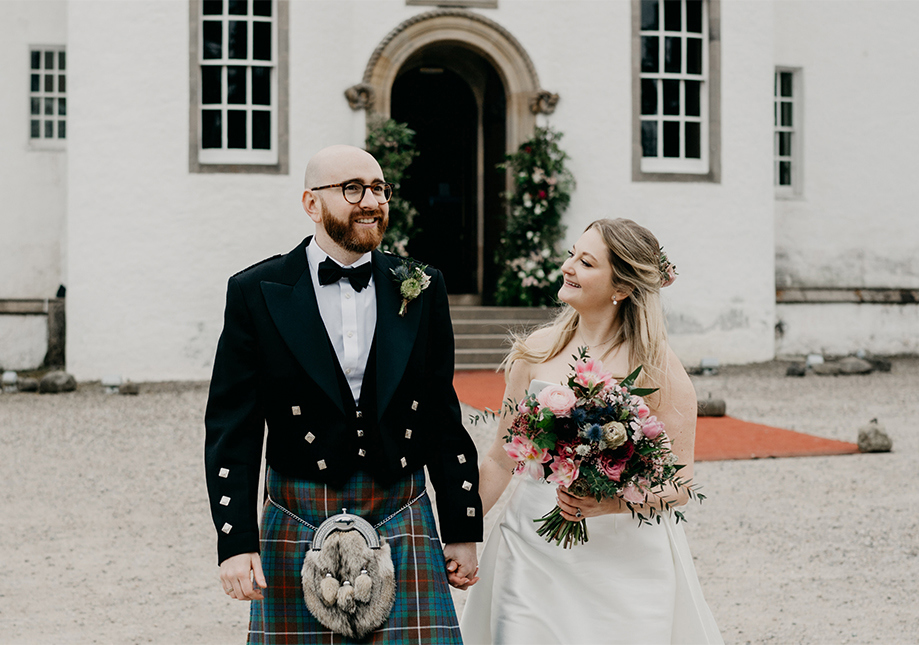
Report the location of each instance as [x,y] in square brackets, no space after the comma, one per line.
[360,96]
[543,102]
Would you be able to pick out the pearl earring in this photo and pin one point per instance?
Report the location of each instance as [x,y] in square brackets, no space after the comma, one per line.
[615,302]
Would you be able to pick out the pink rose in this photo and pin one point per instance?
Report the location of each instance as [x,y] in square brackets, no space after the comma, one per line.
[652,427]
[590,372]
[641,408]
[523,408]
[632,494]
[559,399]
[671,276]
[612,468]
[529,458]
[564,471]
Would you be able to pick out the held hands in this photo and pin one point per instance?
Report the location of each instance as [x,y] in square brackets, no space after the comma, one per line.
[461,564]
[576,509]
[238,573]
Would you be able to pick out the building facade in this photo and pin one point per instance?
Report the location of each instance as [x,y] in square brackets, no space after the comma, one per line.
[765,143]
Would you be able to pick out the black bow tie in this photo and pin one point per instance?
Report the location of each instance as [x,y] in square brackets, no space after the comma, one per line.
[330,271]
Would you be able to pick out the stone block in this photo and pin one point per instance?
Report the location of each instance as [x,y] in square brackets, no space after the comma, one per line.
[54,382]
[873,438]
[796,369]
[711,407]
[28,384]
[854,365]
[827,369]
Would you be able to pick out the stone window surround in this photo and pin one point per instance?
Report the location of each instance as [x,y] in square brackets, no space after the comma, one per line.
[283,136]
[714,102]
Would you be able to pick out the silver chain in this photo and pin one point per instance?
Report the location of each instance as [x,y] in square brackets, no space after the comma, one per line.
[376,526]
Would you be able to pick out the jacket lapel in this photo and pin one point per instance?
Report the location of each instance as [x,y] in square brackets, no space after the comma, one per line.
[295,313]
[395,334]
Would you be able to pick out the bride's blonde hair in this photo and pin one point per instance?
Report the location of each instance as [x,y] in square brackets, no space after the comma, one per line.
[634,254]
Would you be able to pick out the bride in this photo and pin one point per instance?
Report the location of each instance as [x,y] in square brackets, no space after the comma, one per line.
[629,583]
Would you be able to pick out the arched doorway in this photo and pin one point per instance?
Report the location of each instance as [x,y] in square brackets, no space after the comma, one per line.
[455,102]
[462,48]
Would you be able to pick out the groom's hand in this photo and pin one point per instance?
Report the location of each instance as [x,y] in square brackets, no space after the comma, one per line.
[461,564]
[242,577]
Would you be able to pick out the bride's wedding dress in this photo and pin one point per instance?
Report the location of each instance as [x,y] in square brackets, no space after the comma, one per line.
[628,584]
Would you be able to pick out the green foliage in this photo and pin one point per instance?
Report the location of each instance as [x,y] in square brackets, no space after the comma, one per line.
[391,143]
[529,252]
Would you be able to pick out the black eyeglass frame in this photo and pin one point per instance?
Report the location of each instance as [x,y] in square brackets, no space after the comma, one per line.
[344,185]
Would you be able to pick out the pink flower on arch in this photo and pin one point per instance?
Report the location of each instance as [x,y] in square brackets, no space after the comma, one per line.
[529,458]
[559,399]
[590,372]
[564,471]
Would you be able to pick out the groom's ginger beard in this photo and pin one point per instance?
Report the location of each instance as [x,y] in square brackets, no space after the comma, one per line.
[348,236]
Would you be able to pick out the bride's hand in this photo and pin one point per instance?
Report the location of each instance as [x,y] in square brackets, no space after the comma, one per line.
[575,509]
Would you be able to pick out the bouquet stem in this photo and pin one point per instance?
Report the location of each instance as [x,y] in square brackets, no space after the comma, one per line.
[556,528]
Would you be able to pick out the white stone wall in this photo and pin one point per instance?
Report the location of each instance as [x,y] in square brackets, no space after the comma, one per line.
[151,246]
[33,184]
[719,235]
[855,224]
[840,329]
[32,180]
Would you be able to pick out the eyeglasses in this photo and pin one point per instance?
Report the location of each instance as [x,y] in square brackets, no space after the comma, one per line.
[353,191]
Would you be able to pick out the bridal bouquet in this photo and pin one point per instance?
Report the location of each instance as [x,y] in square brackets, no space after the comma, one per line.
[596,437]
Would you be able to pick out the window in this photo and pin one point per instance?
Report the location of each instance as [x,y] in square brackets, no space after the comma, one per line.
[787,118]
[237,110]
[674,92]
[47,96]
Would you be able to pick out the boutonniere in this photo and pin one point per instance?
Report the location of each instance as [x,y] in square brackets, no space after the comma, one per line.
[412,280]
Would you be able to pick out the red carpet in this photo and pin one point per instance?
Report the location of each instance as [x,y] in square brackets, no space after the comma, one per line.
[717,438]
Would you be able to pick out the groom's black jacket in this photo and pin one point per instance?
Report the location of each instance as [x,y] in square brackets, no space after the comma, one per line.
[275,365]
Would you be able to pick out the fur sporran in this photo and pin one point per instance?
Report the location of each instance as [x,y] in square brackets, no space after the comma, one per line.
[349,581]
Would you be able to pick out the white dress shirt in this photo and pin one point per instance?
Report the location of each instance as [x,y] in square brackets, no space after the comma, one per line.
[349,316]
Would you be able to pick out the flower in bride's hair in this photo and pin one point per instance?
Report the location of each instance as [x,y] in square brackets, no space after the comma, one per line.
[558,399]
[529,458]
[564,471]
[667,270]
[589,372]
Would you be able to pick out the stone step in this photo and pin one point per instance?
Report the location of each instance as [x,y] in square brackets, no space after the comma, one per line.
[529,314]
[464,367]
[480,356]
[490,327]
[482,341]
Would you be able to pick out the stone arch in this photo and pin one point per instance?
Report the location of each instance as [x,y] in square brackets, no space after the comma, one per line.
[466,29]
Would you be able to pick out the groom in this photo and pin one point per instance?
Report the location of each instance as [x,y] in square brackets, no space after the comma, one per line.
[357,399]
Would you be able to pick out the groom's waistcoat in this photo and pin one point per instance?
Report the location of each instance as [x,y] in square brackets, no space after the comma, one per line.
[275,366]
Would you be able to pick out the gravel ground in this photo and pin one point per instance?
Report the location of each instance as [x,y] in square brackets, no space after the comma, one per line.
[107,538]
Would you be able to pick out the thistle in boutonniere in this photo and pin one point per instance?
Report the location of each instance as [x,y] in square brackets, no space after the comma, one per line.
[412,281]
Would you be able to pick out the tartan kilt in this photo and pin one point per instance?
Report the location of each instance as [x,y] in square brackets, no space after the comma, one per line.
[423,611]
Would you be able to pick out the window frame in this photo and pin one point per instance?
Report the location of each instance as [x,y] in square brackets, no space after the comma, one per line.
[796,188]
[41,142]
[708,167]
[248,160]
